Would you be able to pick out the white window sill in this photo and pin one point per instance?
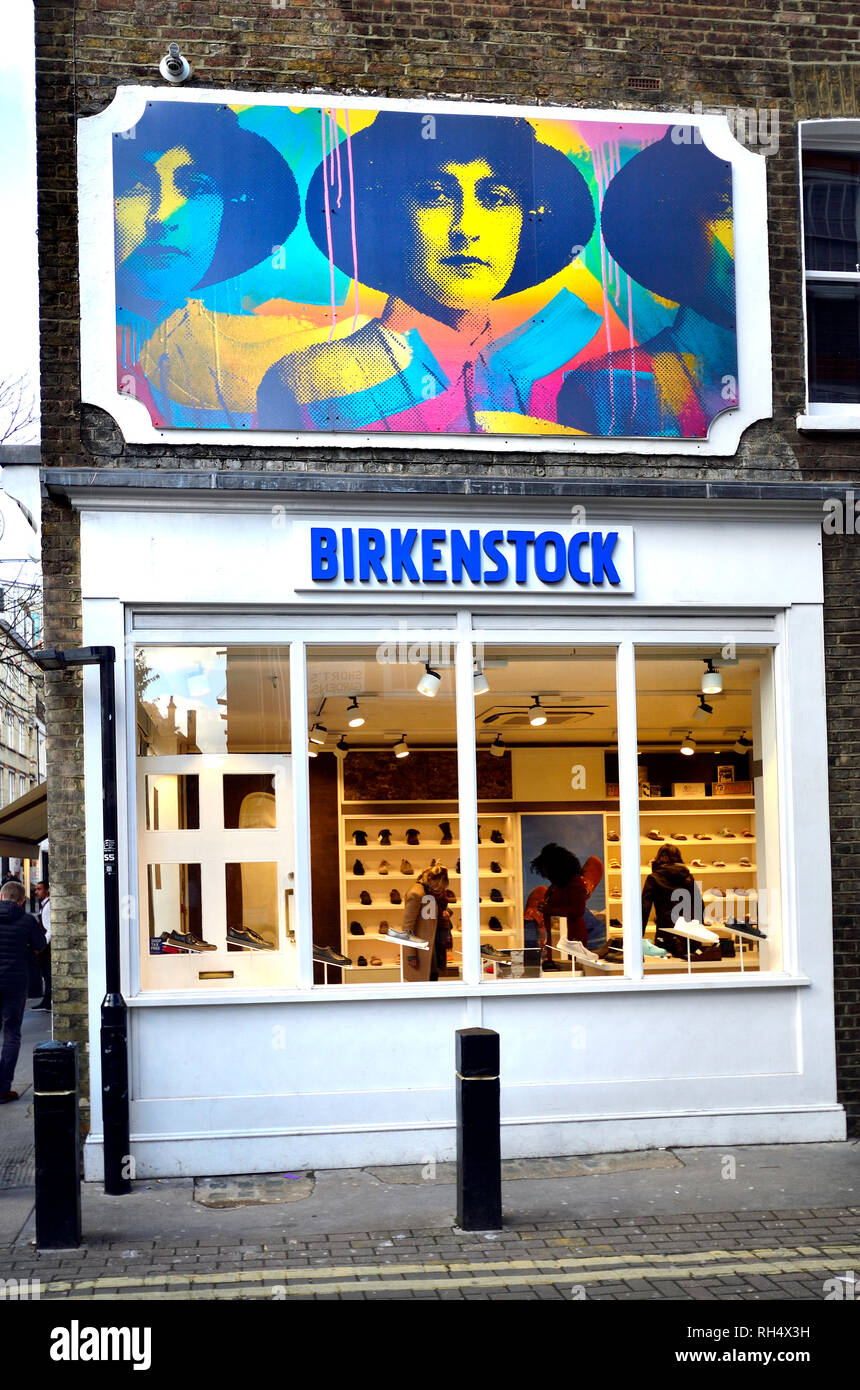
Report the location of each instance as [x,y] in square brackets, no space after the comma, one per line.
[829,422]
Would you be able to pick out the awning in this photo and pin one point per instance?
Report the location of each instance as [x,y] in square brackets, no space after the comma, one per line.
[23,823]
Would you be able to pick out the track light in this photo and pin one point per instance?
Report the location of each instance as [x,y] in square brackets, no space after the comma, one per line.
[688,747]
[743,745]
[703,712]
[480,684]
[429,682]
[318,734]
[312,752]
[341,748]
[354,714]
[712,680]
[497,748]
[536,714]
[401,749]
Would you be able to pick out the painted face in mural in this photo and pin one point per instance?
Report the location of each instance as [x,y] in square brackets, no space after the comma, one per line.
[466,224]
[168,218]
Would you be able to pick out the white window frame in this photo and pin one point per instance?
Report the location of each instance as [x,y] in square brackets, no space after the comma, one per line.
[629,636]
[839,136]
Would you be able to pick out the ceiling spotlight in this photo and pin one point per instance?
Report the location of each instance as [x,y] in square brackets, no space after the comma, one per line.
[429,682]
[743,745]
[341,748]
[318,734]
[688,747]
[703,712]
[312,752]
[356,718]
[497,748]
[712,680]
[401,749]
[480,684]
[536,713]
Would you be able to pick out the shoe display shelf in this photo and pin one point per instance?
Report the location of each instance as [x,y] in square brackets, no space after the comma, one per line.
[669,818]
[431,845]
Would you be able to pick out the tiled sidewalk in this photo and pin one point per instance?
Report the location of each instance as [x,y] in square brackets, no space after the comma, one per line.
[757,1256]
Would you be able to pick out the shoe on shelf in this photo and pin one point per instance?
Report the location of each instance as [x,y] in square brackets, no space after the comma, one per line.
[360,837]
[744,863]
[655,835]
[613,837]
[495,925]
[479,832]
[356,929]
[412,836]
[720,864]
[10,1095]
[395,897]
[726,833]
[382,867]
[457,867]
[329,956]
[701,836]
[496,896]
[361,961]
[549,965]
[41,1008]
[747,834]
[495,867]
[358,867]
[364,897]
[382,929]
[408,938]
[376,960]
[249,940]
[405,866]
[698,864]
[186,942]
[384,837]
[497,837]
[649,949]
[677,836]
[445,827]
[615,864]
[490,953]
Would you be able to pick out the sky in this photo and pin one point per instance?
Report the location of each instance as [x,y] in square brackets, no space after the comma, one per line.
[19,324]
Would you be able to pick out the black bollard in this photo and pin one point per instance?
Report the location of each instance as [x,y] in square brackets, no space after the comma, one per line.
[479,1151]
[58,1151]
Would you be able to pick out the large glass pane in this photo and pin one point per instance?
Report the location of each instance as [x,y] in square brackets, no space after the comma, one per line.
[831,211]
[385,867]
[546,729]
[215,823]
[708,810]
[833,326]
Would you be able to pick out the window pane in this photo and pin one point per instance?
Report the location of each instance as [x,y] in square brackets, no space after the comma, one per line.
[833,315]
[174,909]
[249,801]
[708,812]
[547,738]
[252,907]
[212,700]
[172,802]
[384,801]
[830,211]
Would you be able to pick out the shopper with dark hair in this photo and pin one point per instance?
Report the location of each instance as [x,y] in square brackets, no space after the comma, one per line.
[20,936]
[673,893]
[567,893]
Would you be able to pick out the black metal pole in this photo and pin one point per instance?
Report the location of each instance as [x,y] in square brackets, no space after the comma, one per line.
[58,1145]
[479,1152]
[114,1029]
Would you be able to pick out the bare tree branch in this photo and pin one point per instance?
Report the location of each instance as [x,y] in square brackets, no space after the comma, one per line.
[17,409]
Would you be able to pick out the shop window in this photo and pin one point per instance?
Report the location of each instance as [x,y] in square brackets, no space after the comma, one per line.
[384,813]
[546,726]
[831,227]
[215,824]
[708,831]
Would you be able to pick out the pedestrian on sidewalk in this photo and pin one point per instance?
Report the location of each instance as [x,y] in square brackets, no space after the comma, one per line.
[43,894]
[20,935]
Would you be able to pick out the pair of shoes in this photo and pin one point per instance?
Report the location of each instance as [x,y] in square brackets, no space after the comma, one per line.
[10,1095]
[412,837]
[248,939]
[329,956]
[407,937]
[360,837]
[41,1008]
[497,837]
[445,827]
[376,960]
[358,867]
[356,929]
[186,942]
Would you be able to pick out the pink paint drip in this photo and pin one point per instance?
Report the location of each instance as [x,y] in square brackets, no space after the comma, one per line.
[352,216]
[323,114]
[632,346]
[335,145]
[602,184]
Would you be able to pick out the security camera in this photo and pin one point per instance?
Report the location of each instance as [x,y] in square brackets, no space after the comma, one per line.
[173,67]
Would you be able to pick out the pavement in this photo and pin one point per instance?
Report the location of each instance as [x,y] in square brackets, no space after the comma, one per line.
[757,1223]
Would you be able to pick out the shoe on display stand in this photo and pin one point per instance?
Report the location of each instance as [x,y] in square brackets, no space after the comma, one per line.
[649,949]
[719,864]
[249,940]
[365,898]
[747,929]
[360,837]
[395,897]
[408,938]
[701,836]
[496,896]
[497,837]
[495,867]
[445,827]
[412,837]
[726,833]
[490,953]
[615,864]
[329,956]
[356,929]
[405,866]
[655,835]
[549,965]
[382,867]
[361,961]
[694,931]
[613,837]
[677,836]
[744,863]
[384,837]
[376,960]
[186,942]
[495,925]
[698,864]
[578,951]
[358,867]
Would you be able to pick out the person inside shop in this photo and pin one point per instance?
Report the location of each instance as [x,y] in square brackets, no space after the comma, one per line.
[43,897]
[672,892]
[20,936]
[567,893]
[426,914]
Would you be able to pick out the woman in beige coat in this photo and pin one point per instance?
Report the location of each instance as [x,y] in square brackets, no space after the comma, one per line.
[425,905]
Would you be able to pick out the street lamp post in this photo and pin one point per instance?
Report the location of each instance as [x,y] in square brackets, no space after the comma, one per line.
[114,1031]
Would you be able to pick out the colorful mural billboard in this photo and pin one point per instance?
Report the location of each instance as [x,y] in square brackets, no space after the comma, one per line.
[343,270]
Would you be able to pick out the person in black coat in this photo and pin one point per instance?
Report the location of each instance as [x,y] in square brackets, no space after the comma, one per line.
[20,936]
[672,892]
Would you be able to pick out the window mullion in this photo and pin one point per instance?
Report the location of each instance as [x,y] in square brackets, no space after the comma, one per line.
[468,802]
[301,920]
[628,805]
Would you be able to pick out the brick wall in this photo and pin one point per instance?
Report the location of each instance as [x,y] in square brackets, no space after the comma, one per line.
[800,58]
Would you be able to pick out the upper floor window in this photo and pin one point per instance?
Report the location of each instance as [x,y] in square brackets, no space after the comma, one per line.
[830,152]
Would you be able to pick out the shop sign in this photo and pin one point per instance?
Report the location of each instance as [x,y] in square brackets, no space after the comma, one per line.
[440,558]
